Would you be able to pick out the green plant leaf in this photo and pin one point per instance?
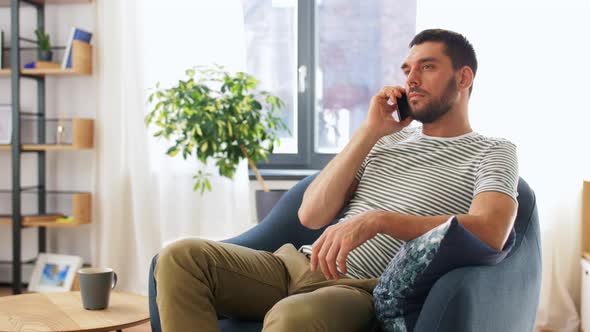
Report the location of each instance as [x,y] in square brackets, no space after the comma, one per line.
[173,151]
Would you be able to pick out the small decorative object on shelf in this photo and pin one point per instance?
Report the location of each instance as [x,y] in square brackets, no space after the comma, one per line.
[54,273]
[60,135]
[42,65]
[45,53]
[65,220]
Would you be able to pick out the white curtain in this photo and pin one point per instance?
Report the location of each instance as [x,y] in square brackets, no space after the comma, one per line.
[144,199]
[531,87]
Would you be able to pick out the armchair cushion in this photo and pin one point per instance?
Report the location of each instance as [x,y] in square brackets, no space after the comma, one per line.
[405,284]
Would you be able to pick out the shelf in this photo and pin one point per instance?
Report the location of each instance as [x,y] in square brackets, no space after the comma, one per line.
[80,212]
[81,64]
[6,3]
[82,138]
[45,72]
[43,147]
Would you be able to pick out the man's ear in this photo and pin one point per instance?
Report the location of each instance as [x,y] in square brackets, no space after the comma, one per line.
[465,77]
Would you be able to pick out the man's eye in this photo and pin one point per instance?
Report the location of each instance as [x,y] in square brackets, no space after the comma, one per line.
[427,67]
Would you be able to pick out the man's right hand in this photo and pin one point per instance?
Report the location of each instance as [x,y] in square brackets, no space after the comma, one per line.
[380,119]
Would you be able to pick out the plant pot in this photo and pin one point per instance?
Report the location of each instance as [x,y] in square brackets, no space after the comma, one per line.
[45,56]
[265,201]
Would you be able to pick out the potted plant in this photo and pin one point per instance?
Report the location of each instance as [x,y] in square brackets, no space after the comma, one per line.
[45,53]
[214,114]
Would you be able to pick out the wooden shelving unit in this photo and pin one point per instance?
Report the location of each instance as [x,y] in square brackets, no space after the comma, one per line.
[81,215]
[82,139]
[80,134]
[81,64]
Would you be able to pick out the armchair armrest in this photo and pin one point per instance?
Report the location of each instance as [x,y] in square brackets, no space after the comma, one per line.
[502,297]
[282,225]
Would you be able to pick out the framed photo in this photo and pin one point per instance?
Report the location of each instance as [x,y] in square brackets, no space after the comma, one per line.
[5,124]
[54,273]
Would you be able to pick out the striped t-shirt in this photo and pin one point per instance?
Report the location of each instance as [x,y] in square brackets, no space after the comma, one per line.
[414,174]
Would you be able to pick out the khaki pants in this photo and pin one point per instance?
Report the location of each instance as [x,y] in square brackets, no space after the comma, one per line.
[197,280]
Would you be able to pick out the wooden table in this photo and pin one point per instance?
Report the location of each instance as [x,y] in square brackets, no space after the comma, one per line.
[52,312]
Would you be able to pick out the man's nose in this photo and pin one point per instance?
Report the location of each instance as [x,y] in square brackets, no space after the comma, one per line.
[413,79]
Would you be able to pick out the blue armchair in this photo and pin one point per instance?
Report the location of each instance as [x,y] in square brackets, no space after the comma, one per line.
[503,297]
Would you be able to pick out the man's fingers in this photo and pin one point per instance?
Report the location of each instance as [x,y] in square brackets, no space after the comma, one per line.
[342,258]
[322,259]
[315,249]
[395,93]
[331,259]
[391,92]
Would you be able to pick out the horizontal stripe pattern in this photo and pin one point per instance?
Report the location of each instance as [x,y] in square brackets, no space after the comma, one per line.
[414,174]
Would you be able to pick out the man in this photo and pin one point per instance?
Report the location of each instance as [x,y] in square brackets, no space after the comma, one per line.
[398,182]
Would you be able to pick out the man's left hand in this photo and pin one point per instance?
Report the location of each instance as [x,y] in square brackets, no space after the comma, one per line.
[339,239]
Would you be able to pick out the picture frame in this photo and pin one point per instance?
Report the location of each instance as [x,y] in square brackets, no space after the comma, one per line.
[54,273]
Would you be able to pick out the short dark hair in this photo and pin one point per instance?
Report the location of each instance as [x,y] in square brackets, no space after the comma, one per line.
[457,47]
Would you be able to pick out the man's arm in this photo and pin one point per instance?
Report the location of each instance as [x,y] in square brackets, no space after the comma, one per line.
[333,187]
[490,218]
[336,183]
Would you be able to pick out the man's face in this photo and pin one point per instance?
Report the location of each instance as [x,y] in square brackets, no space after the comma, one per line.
[430,82]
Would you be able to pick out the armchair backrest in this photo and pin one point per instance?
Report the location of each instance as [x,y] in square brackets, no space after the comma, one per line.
[527,216]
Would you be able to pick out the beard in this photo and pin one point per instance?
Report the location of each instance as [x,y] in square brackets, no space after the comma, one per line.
[435,109]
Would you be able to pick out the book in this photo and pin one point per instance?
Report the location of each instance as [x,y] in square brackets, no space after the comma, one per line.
[75,34]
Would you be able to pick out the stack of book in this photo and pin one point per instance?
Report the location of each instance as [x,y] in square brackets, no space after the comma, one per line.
[75,34]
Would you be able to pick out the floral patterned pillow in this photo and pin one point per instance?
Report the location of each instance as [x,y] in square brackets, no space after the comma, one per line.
[403,287]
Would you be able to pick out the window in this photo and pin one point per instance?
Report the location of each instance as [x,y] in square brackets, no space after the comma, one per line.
[325,59]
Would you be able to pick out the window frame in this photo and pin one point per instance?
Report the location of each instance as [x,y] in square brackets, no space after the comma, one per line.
[307,54]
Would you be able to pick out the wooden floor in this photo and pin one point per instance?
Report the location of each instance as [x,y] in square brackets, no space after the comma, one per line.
[5,291]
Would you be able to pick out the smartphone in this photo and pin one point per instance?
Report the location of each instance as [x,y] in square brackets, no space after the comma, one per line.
[403,107]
